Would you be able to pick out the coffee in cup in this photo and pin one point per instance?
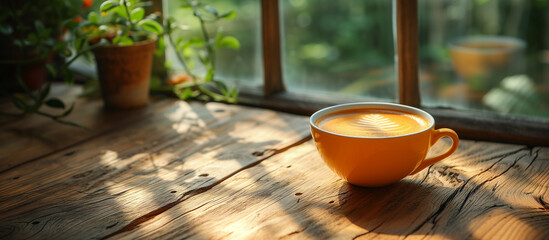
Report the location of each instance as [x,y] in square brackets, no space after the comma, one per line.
[375,144]
[372,123]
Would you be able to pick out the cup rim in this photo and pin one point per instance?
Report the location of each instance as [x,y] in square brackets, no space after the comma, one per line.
[393,106]
[516,43]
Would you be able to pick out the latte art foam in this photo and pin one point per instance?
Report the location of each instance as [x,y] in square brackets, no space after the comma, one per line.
[372,123]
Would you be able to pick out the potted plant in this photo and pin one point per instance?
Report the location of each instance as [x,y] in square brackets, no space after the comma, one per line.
[35,43]
[197,55]
[124,60]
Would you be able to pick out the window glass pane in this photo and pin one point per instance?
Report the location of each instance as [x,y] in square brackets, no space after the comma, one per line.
[490,55]
[242,66]
[345,47]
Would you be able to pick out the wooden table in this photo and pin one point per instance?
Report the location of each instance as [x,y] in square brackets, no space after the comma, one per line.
[196,170]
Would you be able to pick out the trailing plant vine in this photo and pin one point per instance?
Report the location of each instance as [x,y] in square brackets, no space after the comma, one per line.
[204,49]
[34,34]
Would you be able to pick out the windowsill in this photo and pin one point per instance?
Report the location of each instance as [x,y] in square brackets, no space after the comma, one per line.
[475,125]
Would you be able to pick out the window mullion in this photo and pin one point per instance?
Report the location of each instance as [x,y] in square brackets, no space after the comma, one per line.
[272,62]
[407,52]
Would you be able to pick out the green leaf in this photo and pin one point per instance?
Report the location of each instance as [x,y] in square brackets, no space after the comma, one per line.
[188,52]
[185,5]
[55,103]
[161,46]
[186,94]
[68,77]
[229,42]
[150,26]
[228,15]
[209,75]
[48,41]
[20,103]
[121,11]
[39,26]
[212,10]
[197,14]
[218,38]
[137,14]
[18,43]
[59,46]
[66,113]
[71,25]
[108,5]
[202,56]
[234,93]
[196,41]
[6,29]
[93,18]
[191,63]
[79,44]
[72,124]
[44,92]
[186,84]
[171,22]
[32,38]
[222,87]
[122,40]
[51,69]
[179,44]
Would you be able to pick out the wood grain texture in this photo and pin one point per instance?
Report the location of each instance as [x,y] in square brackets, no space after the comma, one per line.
[24,139]
[216,171]
[119,180]
[484,191]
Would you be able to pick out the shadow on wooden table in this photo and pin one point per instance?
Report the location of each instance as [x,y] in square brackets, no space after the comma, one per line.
[391,209]
[497,198]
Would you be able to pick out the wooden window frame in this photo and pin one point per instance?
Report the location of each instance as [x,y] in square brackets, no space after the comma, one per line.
[471,125]
[476,125]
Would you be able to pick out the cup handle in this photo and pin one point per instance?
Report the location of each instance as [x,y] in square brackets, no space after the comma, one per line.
[437,135]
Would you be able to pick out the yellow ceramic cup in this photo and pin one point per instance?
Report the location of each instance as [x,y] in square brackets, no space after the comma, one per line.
[378,161]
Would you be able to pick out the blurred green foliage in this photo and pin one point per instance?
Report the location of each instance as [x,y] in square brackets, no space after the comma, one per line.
[201,49]
[347,47]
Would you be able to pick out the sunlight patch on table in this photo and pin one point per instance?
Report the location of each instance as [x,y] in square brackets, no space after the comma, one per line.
[184,118]
[276,225]
[262,128]
[109,157]
[490,224]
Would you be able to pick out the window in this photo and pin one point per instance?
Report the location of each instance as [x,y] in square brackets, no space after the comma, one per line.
[242,67]
[310,54]
[339,47]
[485,55]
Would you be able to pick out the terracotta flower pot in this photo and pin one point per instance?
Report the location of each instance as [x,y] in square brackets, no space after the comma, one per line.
[124,73]
[33,74]
[483,61]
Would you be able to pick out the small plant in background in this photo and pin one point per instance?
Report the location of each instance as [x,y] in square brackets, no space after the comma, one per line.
[120,23]
[129,38]
[202,49]
[35,41]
